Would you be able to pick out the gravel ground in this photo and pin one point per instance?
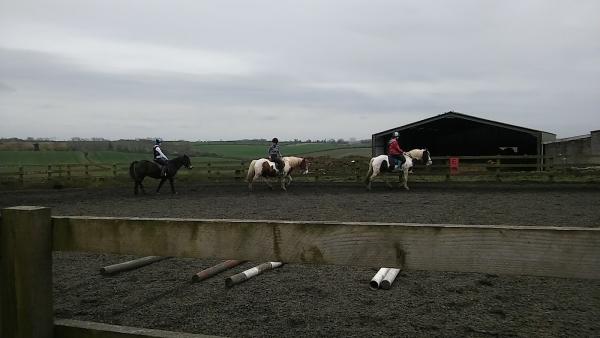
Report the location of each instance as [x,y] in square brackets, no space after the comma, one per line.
[311,300]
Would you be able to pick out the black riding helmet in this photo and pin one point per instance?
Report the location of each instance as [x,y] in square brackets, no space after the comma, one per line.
[275,140]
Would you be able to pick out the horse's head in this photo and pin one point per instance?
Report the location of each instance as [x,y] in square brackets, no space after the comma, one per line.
[304,166]
[426,158]
[186,161]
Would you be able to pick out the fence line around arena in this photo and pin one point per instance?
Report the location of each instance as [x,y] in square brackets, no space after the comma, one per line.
[28,235]
[335,170]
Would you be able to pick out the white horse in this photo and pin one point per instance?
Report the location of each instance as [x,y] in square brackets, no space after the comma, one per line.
[291,163]
[381,163]
[262,168]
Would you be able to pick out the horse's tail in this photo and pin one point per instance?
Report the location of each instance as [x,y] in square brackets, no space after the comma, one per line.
[250,171]
[370,171]
[132,170]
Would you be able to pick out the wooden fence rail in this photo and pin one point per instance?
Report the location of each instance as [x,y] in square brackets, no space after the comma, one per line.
[321,170]
[29,234]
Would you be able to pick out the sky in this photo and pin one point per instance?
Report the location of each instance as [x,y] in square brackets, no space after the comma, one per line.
[310,69]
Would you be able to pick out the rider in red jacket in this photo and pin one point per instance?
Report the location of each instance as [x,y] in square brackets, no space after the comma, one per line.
[395,152]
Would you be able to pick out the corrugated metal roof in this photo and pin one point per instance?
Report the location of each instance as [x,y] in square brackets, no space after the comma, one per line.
[567,139]
[452,114]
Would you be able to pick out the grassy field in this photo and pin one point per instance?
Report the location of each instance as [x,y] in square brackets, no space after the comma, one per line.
[11,158]
[209,152]
[252,151]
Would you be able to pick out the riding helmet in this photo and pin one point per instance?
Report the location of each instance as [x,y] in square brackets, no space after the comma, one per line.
[396,134]
[275,140]
[157,141]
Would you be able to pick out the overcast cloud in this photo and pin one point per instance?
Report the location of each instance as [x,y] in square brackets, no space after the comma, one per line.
[293,69]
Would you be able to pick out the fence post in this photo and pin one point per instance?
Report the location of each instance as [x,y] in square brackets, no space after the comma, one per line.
[208,171]
[26,269]
[68,171]
[49,171]
[114,167]
[498,169]
[87,173]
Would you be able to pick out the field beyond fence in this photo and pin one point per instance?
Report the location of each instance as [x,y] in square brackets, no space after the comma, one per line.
[322,169]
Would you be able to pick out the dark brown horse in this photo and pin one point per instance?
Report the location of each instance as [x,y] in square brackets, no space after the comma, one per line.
[138,170]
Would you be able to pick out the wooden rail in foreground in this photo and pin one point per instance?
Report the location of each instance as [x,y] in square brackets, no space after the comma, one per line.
[29,234]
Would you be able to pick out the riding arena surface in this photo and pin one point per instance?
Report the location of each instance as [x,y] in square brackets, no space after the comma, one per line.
[326,300]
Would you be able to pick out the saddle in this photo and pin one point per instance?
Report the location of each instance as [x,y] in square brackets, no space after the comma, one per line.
[162,167]
[395,164]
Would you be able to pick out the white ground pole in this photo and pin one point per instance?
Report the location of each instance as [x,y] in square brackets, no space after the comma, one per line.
[374,284]
[388,280]
[257,270]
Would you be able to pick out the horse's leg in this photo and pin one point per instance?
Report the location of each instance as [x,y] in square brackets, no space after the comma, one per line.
[370,179]
[406,178]
[267,182]
[172,186]
[162,180]
[282,182]
[256,176]
[289,178]
[142,186]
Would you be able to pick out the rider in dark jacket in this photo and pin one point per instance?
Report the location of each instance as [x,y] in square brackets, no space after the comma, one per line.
[160,158]
[275,155]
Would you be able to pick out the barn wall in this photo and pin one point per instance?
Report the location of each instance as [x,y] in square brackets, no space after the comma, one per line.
[573,151]
[595,143]
[379,144]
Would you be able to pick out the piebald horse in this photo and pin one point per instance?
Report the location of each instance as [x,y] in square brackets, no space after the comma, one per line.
[263,168]
[291,163]
[381,164]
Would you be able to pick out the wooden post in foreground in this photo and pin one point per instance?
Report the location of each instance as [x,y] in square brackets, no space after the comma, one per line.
[26,270]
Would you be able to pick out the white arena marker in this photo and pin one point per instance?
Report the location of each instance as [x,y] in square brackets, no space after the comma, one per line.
[374,284]
[257,270]
[389,278]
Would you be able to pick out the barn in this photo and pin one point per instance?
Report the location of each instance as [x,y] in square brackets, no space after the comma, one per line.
[457,134]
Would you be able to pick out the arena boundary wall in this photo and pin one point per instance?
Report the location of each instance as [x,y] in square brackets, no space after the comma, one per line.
[28,235]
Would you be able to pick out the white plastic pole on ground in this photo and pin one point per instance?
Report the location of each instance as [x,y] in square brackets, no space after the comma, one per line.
[378,278]
[129,265]
[388,280]
[245,275]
